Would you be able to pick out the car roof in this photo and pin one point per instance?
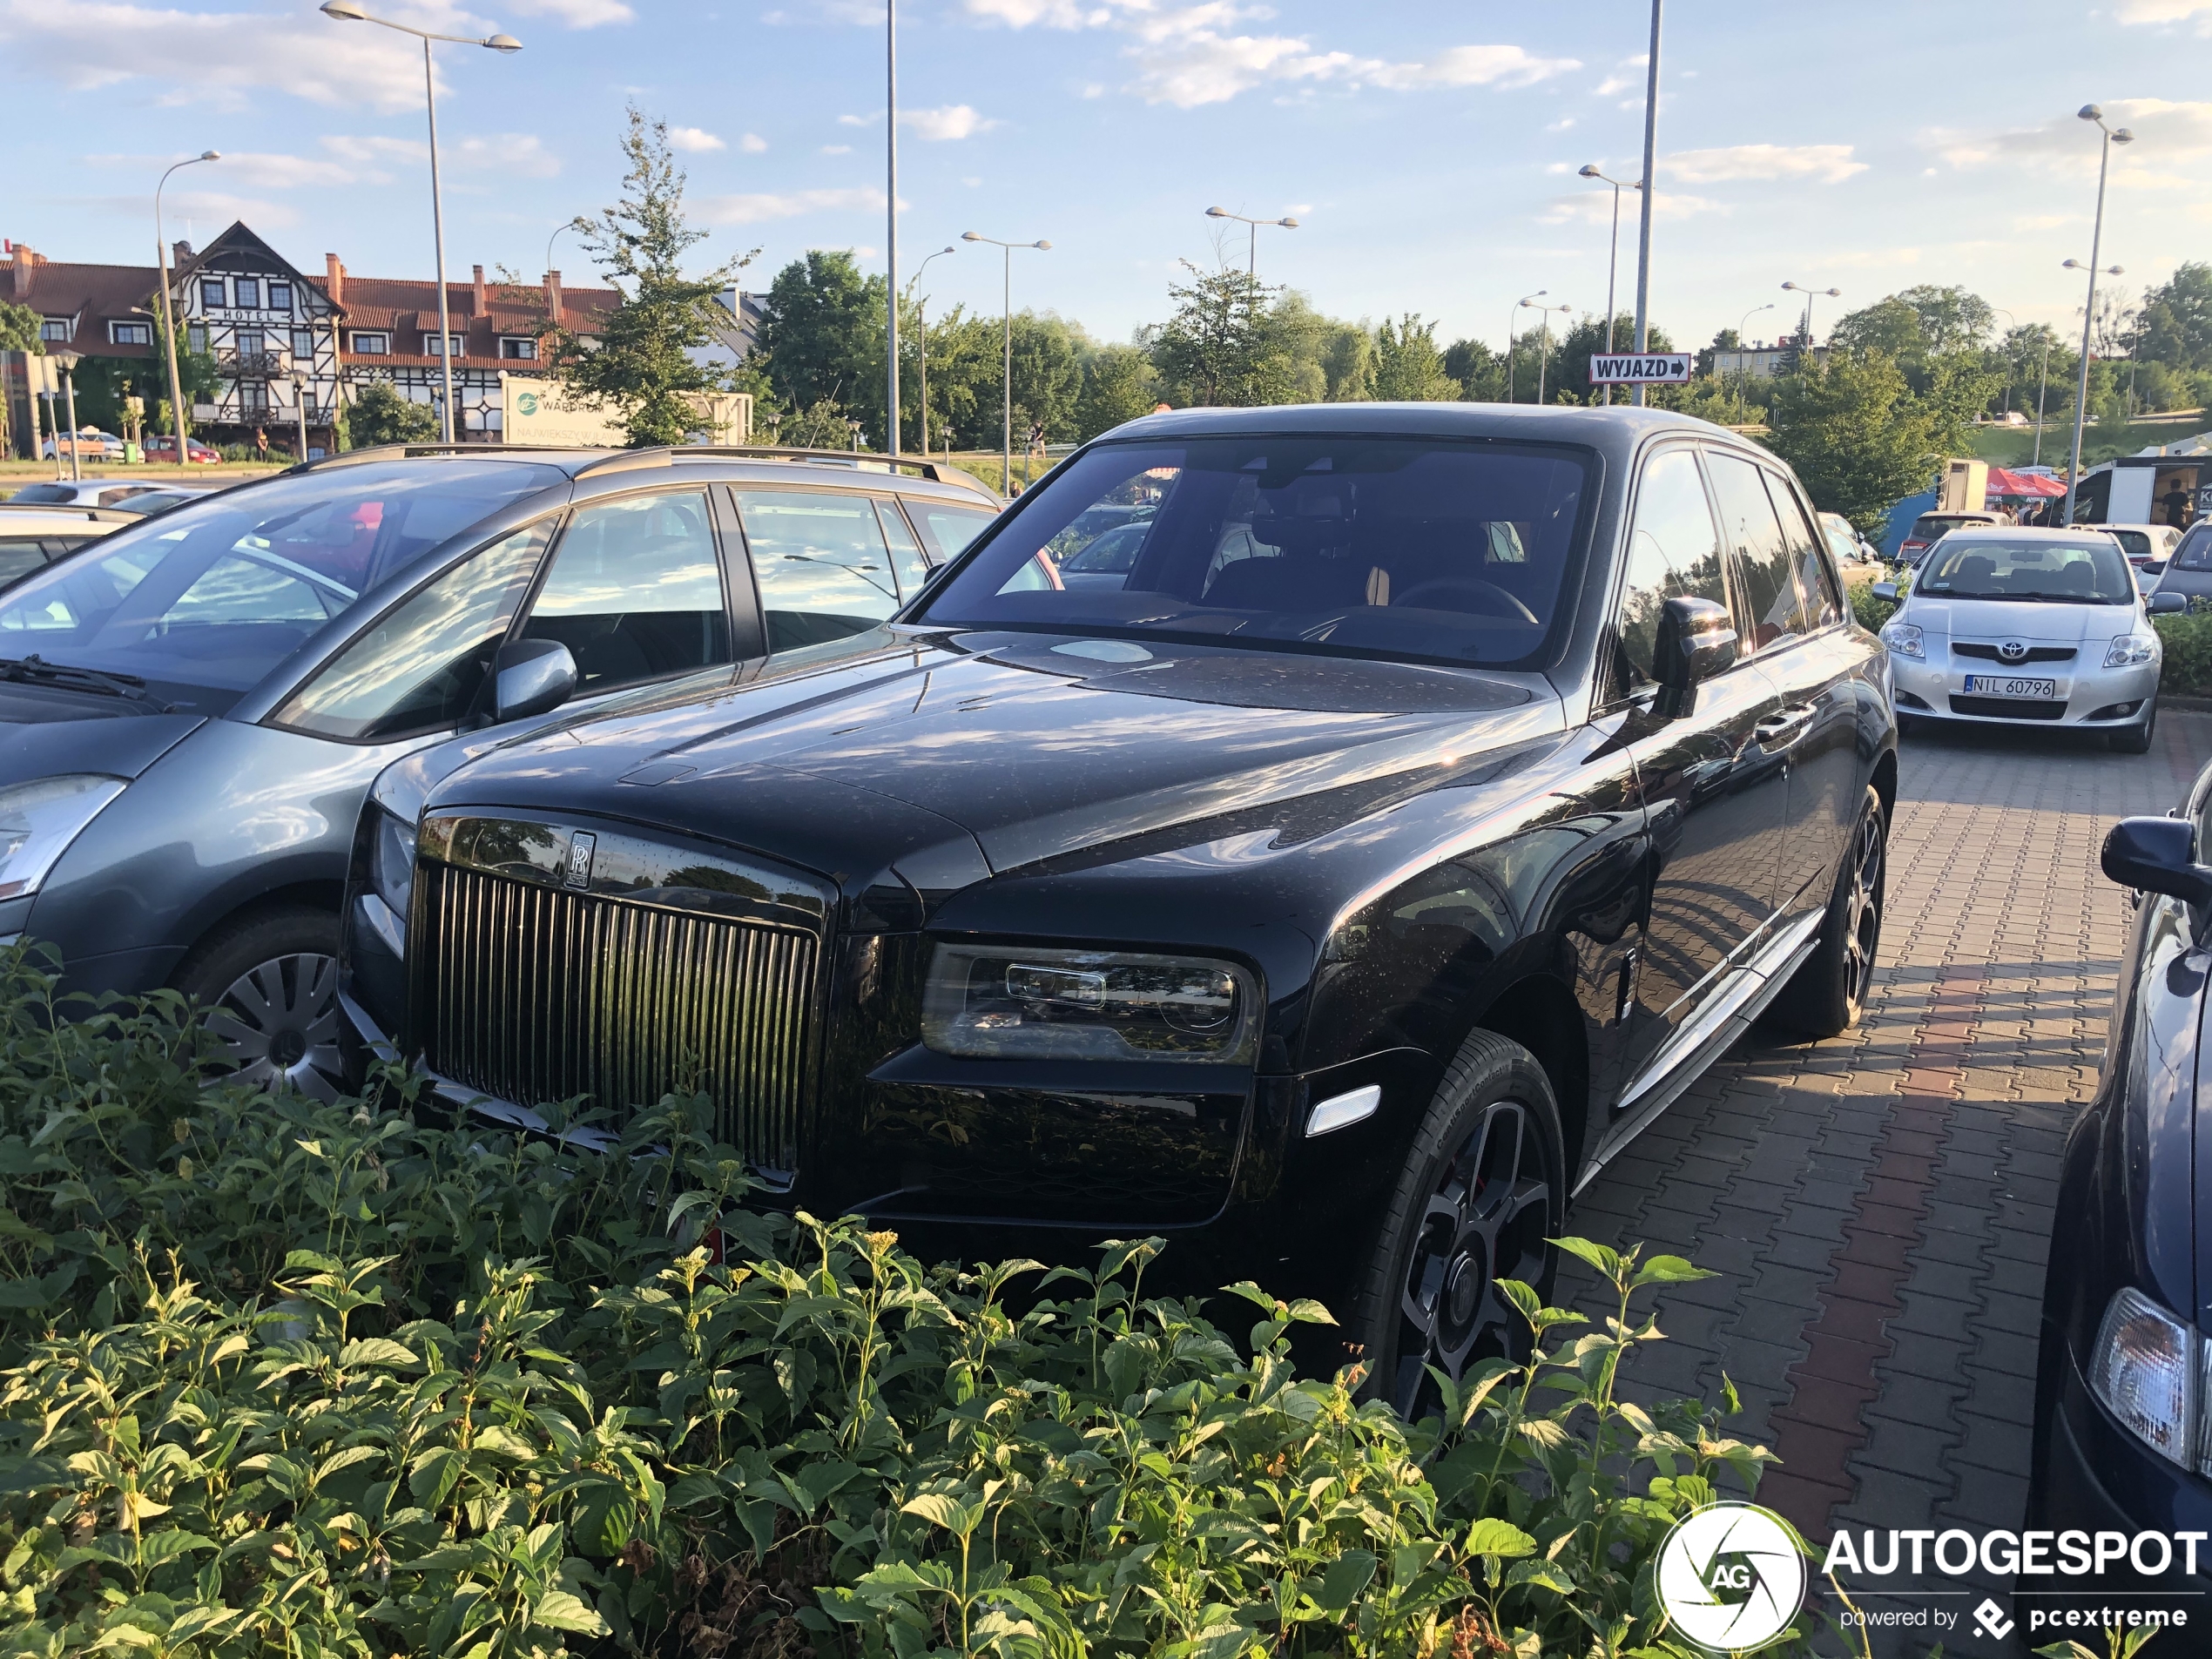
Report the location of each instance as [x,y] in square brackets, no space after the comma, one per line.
[1529,422]
[2023,533]
[48,520]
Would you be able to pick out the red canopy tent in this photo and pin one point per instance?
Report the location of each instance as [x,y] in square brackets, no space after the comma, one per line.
[2022,485]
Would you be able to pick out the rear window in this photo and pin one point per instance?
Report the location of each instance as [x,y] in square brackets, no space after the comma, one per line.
[32,494]
[2134,544]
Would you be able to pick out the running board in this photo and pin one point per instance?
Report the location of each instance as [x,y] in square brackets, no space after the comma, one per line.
[1685,1056]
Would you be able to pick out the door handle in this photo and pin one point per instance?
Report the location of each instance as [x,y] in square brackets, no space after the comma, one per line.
[1787,723]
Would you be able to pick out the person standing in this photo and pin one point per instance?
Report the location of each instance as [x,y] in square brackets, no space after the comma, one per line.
[2176,504]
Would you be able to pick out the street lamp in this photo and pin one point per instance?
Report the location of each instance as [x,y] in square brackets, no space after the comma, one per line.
[1743,363]
[922,324]
[1252,255]
[1544,358]
[346,11]
[1006,485]
[2110,136]
[300,407]
[168,317]
[1613,263]
[1525,300]
[67,362]
[1799,287]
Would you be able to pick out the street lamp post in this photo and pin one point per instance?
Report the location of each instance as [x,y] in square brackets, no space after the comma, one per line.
[300,409]
[2088,321]
[2042,384]
[1744,362]
[67,362]
[1650,162]
[891,224]
[922,323]
[1799,287]
[1525,300]
[1006,485]
[1613,261]
[1251,256]
[1544,357]
[168,315]
[347,11]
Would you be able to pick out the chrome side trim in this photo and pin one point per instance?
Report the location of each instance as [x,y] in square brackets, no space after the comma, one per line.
[1684,1056]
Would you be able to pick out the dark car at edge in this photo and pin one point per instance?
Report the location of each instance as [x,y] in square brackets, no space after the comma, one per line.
[1438,790]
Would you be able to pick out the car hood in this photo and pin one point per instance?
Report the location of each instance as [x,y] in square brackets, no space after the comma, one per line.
[46,732]
[958,758]
[2058,624]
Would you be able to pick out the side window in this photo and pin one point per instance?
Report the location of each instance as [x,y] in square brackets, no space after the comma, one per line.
[1673,553]
[906,562]
[1771,614]
[820,563]
[421,666]
[636,591]
[951,528]
[1816,596]
[20,555]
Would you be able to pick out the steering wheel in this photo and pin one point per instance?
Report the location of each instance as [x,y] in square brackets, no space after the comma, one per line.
[1494,600]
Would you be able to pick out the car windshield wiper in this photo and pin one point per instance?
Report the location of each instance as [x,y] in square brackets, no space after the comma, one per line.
[34,669]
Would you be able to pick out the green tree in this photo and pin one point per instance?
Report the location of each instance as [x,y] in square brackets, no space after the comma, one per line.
[639,363]
[1047,375]
[18,327]
[1118,385]
[1408,367]
[380,415]
[1951,318]
[1221,348]
[1889,325]
[820,339]
[1855,434]
[2174,327]
[1479,371]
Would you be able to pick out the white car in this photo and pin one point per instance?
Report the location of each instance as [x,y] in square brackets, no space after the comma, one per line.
[2148,546]
[2005,626]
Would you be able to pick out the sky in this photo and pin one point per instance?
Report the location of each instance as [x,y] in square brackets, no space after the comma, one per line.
[1428,150]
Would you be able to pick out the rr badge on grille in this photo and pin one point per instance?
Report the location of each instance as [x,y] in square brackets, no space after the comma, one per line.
[581,847]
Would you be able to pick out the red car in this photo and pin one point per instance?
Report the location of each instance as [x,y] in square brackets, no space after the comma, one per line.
[166,450]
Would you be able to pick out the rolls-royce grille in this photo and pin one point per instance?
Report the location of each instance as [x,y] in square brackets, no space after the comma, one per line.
[533,994]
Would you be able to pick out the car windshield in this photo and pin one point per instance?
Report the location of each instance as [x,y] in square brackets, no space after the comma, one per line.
[2084,573]
[2134,544]
[213,594]
[1430,549]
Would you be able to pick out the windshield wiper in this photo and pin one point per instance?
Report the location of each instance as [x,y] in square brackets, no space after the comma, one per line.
[35,671]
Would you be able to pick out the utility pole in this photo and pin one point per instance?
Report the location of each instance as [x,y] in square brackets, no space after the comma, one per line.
[891,226]
[1650,184]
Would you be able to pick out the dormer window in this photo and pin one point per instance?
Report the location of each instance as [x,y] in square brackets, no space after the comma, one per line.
[55,330]
[130,334]
[515,348]
[430,346]
[249,292]
[368,345]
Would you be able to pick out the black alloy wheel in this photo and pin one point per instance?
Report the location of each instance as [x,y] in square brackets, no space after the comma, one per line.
[1479,1198]
[1828,994]
[270,985]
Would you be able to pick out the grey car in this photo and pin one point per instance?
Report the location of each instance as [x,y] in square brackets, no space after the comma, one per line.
[2189,573]
[191,710]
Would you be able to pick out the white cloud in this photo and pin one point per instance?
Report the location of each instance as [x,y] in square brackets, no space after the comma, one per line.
[755,208]
[1505,66]
[1053,14]
[752,144]
[1299,209]
[1830,163]
[1595,207]
[214,207]
[1561,124]
[2066,147]
[952,121]
[1621,80]
[575,14]
[522,153]
[695,140]
[2138,11]
[261,170]
[838,150]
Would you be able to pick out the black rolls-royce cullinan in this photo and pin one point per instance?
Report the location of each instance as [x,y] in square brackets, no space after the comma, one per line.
[1334,886]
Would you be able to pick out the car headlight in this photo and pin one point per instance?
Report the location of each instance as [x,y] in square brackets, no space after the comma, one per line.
[1009,1003]
[39,820]
[1902,638]
[2144,1369]
[392,863]
[2130,649]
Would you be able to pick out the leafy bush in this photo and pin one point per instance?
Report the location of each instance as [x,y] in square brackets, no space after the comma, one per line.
[2187,641]
[277,1376]
[1871,611]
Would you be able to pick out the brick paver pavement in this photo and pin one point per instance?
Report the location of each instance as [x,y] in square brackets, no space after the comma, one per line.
[1877,1206]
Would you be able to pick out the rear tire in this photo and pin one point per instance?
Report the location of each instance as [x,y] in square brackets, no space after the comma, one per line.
[1482,1192]
[270,985]
[2135,740]
[1828,994]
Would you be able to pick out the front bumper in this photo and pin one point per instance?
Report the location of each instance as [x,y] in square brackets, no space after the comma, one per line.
[1935,689]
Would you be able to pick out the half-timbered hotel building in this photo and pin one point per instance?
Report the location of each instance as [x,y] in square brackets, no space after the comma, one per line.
[285,342]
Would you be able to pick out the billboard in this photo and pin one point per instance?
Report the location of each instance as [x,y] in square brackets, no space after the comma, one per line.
[1644,368]
[540,411]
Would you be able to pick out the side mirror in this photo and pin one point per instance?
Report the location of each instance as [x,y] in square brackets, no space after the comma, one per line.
[2167,605]
[2157,855]
[531,676]
[1886,590]
[1695,641]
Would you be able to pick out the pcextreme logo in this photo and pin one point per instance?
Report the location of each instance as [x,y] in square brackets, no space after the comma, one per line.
[1732,1576]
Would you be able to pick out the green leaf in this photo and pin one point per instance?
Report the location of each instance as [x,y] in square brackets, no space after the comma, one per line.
[1668,1270]
[380,1351]
[959,1519]
[1348,1575]
[1491,1536]
[562,1610]
[1606,1259]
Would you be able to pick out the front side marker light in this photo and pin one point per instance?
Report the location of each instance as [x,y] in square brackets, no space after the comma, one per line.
[1340,1110]
[2144,1370]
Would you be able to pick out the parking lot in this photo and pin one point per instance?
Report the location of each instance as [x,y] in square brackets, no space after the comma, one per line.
[1877,1206]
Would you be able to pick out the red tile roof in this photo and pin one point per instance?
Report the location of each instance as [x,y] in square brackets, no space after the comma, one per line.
[408,310]
[90,294]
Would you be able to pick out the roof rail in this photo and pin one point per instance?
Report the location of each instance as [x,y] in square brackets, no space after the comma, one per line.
[858,459]
[399,451]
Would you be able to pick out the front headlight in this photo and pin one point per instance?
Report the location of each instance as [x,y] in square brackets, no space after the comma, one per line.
[2130,649]
[392,862]
[1009,1002]
[2144,1369]
[1902,638]
[39,820]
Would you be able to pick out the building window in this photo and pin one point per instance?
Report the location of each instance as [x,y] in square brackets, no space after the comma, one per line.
[130,334]
[280,296]
[252,399]
[371,345]
[430,346]
[513,348]
[249,292]
[55,329]
[196,337]
[210,292]
[303,344]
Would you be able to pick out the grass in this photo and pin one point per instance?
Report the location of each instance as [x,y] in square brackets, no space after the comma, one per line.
[13,475]
[2003,446]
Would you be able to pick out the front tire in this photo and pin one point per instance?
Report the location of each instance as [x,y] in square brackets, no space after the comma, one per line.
[270,985]
[2135,740]
[1828,994]
[1481,1194]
